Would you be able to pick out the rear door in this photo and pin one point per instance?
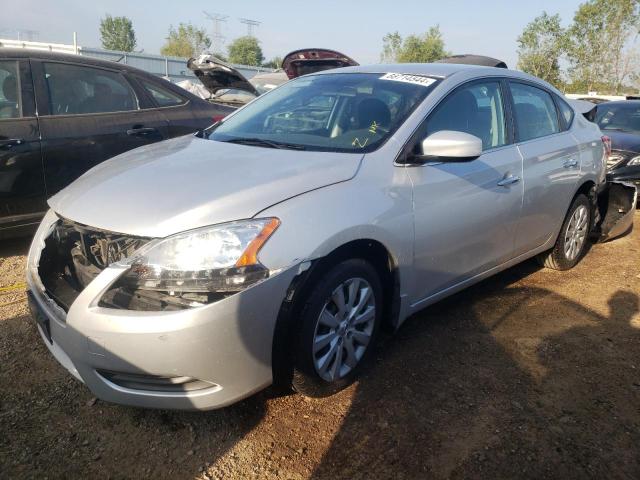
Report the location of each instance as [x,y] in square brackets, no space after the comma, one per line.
[87,115]
[22,190]
[183,117]
[551,164]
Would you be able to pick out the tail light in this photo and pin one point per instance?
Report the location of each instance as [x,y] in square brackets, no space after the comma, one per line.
[607,146]
[217,118]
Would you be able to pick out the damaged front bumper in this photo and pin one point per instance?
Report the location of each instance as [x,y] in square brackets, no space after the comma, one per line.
[195,359]
[616,207]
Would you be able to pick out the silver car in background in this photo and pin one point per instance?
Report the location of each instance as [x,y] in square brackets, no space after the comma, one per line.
[271,248]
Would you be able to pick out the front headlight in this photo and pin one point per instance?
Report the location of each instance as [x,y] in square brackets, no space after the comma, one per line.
[220,258]
[634,162]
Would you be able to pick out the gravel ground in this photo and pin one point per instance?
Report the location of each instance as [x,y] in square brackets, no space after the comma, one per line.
[530,374]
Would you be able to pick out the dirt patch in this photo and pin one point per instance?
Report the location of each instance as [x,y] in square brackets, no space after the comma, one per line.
[530,374]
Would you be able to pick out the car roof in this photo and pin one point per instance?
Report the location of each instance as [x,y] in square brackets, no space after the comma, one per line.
[431,69]
[66,57]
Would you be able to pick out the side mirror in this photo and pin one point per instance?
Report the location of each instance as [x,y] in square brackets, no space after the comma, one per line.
[449,146]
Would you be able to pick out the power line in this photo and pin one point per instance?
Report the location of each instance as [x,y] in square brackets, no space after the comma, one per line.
[217,37]
[250,24]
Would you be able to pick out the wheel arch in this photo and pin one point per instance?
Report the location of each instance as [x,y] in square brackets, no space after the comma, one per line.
[368,249]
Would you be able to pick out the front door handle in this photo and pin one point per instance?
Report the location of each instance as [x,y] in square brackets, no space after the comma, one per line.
[508,180]
[10,143]
[571,163]
[142,131]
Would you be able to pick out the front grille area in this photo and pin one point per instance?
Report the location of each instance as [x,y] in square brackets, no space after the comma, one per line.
[74,254]
[155,383]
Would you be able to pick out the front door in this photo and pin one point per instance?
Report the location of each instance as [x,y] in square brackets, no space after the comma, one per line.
[22,190]
[87,115]
[466,213]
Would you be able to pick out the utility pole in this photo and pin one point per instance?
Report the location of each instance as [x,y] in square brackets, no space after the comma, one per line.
[250,24]
[217,37]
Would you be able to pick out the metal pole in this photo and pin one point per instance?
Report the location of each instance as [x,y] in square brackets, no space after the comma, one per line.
[75,43]
[166,67]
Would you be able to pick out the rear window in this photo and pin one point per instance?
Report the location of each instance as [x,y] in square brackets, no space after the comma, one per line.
[566,111]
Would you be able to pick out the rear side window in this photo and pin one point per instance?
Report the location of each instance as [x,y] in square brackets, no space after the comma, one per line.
[476,109]
[76,89]
[162,96]
[534,111]
[566,111]
[10,106]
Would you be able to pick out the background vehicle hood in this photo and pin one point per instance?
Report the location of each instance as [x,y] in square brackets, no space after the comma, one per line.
[217,75]
[189,182]
[623,141]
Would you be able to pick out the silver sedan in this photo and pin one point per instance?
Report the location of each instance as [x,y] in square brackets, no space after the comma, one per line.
[272,247]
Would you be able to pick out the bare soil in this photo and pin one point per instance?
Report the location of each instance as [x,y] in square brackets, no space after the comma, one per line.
[530,374]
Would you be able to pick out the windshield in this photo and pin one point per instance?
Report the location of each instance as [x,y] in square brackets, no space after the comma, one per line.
[620,117]
[341,112]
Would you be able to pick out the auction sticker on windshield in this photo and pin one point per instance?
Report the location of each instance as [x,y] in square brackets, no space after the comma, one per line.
[402,77]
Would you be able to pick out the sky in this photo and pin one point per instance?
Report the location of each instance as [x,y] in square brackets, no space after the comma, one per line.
[356,28]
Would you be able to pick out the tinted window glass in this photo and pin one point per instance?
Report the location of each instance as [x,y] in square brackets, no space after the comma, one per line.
[476,109]
[162,96]
[10,106]
[74,89]
[535,112]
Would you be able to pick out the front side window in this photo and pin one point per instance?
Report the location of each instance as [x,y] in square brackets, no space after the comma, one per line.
[75,90]
[341,112]
[476,109]
[162,96]
[10,106]
[534,112]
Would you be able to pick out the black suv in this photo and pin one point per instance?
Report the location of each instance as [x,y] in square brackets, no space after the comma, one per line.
[62,114]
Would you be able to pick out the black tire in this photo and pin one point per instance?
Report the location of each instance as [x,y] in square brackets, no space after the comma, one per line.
[556,257]
[306,379]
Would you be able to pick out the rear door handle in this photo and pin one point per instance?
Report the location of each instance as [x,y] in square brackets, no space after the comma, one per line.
[571,163]
[12,142]
[508,180]
[142,131]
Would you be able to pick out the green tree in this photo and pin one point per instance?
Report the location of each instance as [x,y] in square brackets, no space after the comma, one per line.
[246,51]
[185,41]
[540,46]
[275,62]
[391,45]
[117,34]
[425,48]
[601,52]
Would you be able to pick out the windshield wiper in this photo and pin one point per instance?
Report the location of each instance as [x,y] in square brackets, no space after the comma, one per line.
[261,142]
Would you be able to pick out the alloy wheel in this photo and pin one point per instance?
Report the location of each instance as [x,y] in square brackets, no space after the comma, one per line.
[344,329]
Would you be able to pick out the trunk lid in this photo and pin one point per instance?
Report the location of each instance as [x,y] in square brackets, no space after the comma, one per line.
[310,60]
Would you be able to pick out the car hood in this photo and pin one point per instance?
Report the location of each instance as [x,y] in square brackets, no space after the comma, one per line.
[190,182]
[623,141]
[217,75]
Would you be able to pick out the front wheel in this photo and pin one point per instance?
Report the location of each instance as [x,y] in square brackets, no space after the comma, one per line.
[573,238]
[338,326]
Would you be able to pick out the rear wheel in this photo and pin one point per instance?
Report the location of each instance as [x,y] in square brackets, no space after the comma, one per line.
[338,326]
[573,238]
